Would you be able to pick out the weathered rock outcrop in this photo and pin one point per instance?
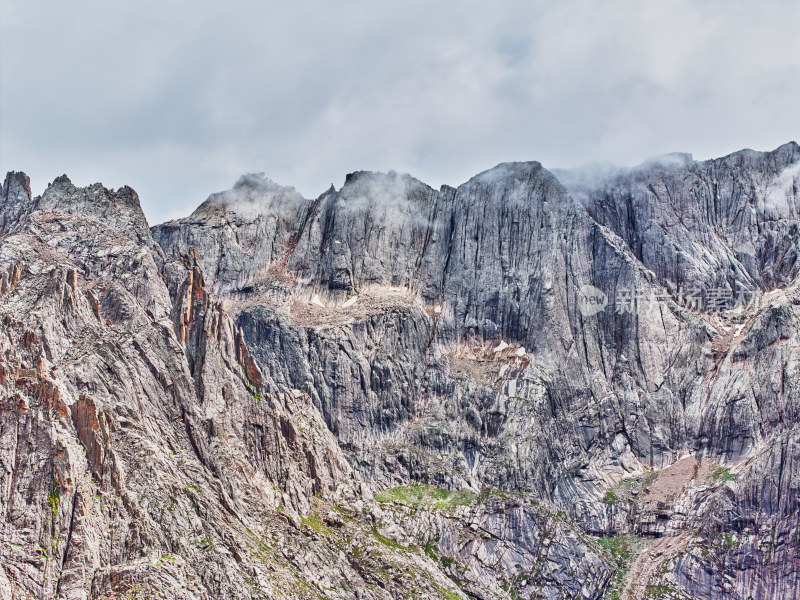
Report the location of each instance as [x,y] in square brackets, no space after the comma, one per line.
[730,223]
[554,387]
[141,455]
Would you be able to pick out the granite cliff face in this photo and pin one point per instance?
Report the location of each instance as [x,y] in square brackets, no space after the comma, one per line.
[529,386]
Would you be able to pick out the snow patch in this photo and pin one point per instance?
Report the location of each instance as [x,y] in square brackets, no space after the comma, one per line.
[501,346]
[350,302]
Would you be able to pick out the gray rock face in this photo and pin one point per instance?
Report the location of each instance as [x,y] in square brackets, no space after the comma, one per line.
[729,223]
[393,391]
[141,456]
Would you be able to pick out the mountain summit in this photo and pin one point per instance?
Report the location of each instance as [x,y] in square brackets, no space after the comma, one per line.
[576,384]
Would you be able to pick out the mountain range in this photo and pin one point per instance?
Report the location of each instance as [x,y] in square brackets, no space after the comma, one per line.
[566,384]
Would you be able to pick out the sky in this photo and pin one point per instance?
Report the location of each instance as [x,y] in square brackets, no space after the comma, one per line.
[177,99]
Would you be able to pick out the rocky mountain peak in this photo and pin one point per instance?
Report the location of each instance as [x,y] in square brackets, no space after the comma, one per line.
[730,223]
[503,171]
[533,384]
[120,209]
[254,196]
[15,198]
[16,185]
[379,190]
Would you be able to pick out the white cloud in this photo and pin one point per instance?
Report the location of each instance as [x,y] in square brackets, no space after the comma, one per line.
[780,198]
[178,99]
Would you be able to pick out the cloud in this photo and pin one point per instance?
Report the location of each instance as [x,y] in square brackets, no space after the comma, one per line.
[179,99]
[780,197]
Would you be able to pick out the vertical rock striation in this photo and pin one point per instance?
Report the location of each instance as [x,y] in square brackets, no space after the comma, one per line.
[395,391]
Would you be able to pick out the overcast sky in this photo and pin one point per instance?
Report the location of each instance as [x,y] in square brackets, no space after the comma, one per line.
[177,99]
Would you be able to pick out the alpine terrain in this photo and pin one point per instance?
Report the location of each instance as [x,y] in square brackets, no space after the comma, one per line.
[571,384]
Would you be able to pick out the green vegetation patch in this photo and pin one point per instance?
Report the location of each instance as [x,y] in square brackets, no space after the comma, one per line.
[620,551]
[420,494]
[314,523]
[721,474]
[445,593]
[388,542]
[618,548]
